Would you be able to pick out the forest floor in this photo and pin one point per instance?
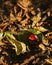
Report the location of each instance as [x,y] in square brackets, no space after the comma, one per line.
[16,15]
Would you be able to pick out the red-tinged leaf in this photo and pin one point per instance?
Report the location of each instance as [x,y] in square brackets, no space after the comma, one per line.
[33,37]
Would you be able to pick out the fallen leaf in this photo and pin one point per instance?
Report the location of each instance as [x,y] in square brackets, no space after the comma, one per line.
[12,17]
[42,29]
[42,46]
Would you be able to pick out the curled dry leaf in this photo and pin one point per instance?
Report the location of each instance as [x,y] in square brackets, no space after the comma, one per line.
[12,17]
[25,3]
[42,47]
[49,36]
[50,33]
[42,29]
[45,42]
[24,22]
[49,61]
[35,20]
[19,16]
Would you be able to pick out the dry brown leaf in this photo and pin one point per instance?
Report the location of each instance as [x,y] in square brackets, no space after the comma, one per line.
[24,22]
[33,12]
[15,10]
[42,46]
[49,61]
[19,16]
[48,34]
[36,19]
[42,29]
[12,17]
[8,3]
[48,13]
[44,18]
[2,43]
[27,15]
[45,42]
[25,3]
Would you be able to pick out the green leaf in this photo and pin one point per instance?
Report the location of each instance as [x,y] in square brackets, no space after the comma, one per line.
[40,36]
[34,31]
[23,47]
[9,34]
[20,47]
[17,45]
[38,33]
[23,36]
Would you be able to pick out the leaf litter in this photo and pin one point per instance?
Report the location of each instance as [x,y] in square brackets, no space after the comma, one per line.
[18,20]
